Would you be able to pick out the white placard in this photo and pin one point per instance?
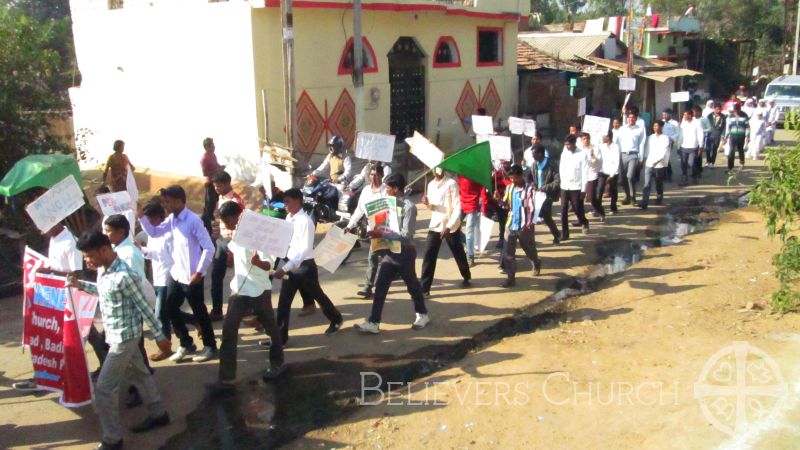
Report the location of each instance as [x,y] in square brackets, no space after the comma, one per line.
[538,200]
[263,233]
[500,148]
[334,248]
[283,180]
[756,71]
[130,186]
[516,125]
[485,235]
[582,106]
[115,203]
[679,97]
[627,84]
[422,148]
[61,200]
[482,125]
[530,127]
[597,127]
[375,146]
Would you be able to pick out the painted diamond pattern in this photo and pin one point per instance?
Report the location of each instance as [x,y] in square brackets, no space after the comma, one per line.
[310,125]
[491,100]
[342,120]
[467,105]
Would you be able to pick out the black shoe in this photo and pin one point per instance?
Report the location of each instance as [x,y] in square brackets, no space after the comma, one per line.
[659,201]
[216,316]
[556,240]
[537,267]
[426,294]
[466,284]
[220,387]
[576,224]
[499,245]
[106,446]
[643,206]
[627,201]
[151,423]
[508,284]
[133,399]
[334,327]
[365,293]
[272,372]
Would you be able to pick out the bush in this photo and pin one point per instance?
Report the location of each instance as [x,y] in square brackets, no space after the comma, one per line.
[778,198]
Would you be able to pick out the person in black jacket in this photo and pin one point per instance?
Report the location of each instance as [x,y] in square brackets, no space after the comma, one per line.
[544,178]
[717,121]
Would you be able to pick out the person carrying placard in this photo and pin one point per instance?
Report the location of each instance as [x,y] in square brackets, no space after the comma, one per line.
[124,308]
[222,236]
[545,179]
[300,271]
[393,264]
[251,290]
[374,191]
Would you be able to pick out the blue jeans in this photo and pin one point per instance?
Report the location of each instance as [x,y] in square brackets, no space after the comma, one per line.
[162,312]
[472,231]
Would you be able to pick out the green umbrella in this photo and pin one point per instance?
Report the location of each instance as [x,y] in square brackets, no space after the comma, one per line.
[39,171]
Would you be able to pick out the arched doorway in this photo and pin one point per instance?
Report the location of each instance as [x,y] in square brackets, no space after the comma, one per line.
[407,86]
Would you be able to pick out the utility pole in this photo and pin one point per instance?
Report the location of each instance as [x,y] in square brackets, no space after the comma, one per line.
[358,65]
[629,39]
[287,23]
[796,39]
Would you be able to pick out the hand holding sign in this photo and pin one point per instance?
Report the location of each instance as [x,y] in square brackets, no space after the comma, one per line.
[64,198]
[375,146]
[263,233]
[330,253]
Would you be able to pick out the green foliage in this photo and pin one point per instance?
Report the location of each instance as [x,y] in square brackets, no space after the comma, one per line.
[33,58]
[778,198]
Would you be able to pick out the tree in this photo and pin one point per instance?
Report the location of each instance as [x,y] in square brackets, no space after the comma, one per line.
[547,11]
[606,8]
[778,198]
[33,82]
[572,7]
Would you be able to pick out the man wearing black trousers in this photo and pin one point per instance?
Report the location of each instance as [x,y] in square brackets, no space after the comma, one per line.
[444,202]
[573,174]
[300,272]
[717,121]
[544,178]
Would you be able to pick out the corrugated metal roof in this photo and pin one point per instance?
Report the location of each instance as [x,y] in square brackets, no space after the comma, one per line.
[565,46]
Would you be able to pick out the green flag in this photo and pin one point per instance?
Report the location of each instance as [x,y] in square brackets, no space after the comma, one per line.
[473,162]
[39,171]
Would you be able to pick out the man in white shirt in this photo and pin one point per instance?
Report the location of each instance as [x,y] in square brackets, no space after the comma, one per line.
[609,171]
[374,191]
[444,201]
[656,159]
[691,144]
[631,139]
[251,290]
[594,162]
[572,171]
[772,121]
[300,272]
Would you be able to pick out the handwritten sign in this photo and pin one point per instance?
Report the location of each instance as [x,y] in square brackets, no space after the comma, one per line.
[627,84]
[422,148]
[500,148]
[597,127]
[130,186]
[63,199]
[334,248]
[679,97]
[482,125]
[114,203]
[375,146]
[529,128]
[582,106]
[263,233]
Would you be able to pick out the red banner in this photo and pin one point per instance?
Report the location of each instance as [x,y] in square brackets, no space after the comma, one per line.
[51,330]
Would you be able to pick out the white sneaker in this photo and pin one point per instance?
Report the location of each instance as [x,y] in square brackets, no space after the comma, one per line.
[206,354]
[180,354]
[368,327]
[422,320]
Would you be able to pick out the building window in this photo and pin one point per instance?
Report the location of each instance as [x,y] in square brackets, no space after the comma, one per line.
[490,46]
[446,53]
[370,63]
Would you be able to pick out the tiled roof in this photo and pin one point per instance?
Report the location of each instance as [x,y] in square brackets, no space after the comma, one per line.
[529,58]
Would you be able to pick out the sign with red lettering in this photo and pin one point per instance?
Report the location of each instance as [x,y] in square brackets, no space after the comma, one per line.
[53,336]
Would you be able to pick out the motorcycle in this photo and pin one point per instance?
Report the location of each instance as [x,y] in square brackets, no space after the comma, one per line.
[320,200]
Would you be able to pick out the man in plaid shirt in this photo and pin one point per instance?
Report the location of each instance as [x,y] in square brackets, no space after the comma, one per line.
[123,307]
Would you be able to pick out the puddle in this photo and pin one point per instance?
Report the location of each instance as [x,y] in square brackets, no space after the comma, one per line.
[311,394]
